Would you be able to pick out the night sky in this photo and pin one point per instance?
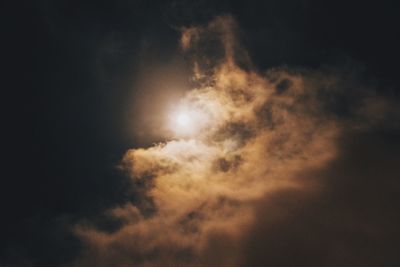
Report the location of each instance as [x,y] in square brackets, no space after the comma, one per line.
[87,83]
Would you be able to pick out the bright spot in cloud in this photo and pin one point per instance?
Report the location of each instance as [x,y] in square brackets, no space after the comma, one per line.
[186,122]
[197,115]
[183,120]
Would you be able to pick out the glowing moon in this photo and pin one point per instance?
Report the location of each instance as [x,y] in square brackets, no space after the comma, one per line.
[183,120]
[193,118]
[183,123]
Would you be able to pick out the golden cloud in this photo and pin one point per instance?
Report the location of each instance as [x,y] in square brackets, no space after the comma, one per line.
[253,134]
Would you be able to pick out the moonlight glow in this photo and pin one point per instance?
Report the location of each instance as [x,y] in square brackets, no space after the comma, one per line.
[183,120]
[183,123]
[187,122]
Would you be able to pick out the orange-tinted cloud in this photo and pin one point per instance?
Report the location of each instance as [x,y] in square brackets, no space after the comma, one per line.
[258,156]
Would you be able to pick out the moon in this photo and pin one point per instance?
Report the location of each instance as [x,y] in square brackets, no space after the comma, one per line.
[188,120]
[183,120]
[186,123]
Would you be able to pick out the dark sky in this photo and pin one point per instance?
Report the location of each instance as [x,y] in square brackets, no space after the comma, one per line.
[70,71]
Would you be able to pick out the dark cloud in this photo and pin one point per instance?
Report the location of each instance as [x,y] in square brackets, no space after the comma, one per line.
[351,221]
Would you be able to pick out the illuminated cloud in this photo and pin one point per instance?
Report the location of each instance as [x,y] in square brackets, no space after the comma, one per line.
[240,141]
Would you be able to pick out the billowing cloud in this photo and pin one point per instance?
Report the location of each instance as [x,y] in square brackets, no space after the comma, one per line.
[257,157]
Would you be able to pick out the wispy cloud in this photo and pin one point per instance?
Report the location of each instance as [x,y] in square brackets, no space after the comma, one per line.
[243,186]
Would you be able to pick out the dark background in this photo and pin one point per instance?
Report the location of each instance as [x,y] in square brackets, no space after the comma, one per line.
[68,71]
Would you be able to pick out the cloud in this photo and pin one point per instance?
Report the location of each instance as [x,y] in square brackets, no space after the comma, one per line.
[350,221]
[269,177]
